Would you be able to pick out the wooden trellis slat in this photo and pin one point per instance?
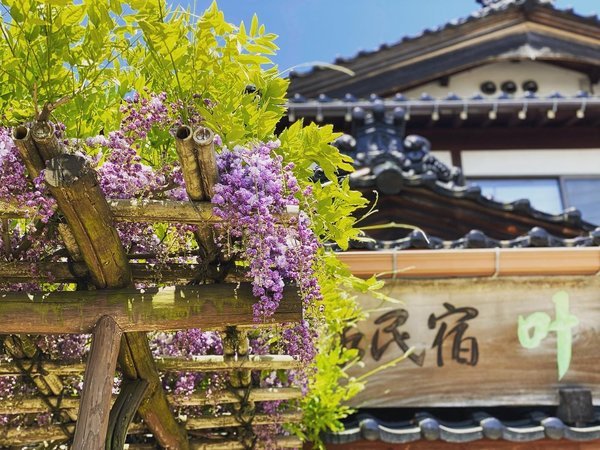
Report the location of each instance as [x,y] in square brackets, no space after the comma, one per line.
[28,436]
[216,363]
[35,404]
[208,363]
[219,397]
[205,423]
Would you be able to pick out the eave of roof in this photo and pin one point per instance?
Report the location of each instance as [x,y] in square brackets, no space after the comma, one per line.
[519,20]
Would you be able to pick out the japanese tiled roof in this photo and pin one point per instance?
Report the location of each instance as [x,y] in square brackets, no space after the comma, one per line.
[379,70]
[509,424]
[413,187]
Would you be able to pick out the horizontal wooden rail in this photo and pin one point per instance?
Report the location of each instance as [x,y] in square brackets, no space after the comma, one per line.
[35,404]
[256,395]
[26,405]
[62,272]
[143,210]
[54,433]
[209,363]
[227,444]
[474,262]
[54,367]
[204,423]
[210,306]
[218,363]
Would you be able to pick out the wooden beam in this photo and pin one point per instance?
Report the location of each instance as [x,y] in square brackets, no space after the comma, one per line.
[75,187]
[92,423]
[210,306]
[136,361]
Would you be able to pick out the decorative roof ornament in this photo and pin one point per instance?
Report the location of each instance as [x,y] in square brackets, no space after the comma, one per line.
[379,144]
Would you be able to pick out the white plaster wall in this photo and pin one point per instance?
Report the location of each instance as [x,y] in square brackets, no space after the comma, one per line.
[516,163]
[444,156]
[548,77]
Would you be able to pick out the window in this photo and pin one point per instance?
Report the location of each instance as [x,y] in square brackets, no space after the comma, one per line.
[584,194]
[551,195]
[543,193]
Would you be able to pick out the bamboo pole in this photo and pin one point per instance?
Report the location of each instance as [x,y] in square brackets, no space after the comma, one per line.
[207,160]
[184,145]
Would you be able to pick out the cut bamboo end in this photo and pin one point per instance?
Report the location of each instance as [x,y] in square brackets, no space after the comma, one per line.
[20,133]
[203,136]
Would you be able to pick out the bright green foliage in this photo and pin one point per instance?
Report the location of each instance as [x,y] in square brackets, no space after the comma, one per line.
[208,59]
[56,51]
[334,202]
[82,59]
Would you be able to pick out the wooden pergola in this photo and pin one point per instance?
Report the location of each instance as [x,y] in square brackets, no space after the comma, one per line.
[118,315]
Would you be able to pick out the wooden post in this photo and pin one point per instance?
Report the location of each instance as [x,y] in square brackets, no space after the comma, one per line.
[90,430]
[136,361]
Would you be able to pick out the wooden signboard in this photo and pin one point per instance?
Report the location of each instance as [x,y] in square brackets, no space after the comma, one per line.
[479,341]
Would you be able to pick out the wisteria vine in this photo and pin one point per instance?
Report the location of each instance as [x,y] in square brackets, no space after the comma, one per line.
[254,198]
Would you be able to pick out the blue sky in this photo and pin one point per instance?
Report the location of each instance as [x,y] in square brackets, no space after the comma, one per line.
[319,30]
